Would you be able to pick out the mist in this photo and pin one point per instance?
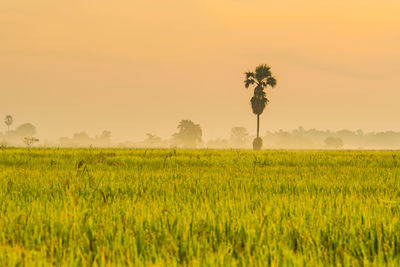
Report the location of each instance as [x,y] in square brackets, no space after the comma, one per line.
[189,134]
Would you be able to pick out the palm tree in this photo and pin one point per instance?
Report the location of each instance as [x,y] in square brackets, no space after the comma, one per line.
[8,120]
[261,79]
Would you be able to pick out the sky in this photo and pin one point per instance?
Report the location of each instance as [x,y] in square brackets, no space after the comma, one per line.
[136,67]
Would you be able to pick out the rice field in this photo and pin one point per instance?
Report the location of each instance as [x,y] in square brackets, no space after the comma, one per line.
[116,207]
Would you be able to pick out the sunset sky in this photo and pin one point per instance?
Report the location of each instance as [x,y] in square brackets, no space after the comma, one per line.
[137,67]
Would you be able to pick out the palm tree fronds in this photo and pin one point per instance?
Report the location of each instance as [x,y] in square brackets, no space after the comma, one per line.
[249,74]
[271,81]
[249,82]
[262,72]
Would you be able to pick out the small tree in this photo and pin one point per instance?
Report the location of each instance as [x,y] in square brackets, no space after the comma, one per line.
[153,141]
[333,142]
[8,120]
[29,141]
[105,136]
[103,139]
[189,134]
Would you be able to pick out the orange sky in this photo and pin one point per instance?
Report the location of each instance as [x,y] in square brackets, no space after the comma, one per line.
[135,67]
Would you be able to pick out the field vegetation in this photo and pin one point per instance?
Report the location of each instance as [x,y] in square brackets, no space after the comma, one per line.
[81,207]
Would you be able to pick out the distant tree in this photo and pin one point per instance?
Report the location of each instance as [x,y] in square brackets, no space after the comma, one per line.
[295,139]
[104,139]
[261,79]
[8,120]
[300,130]
[239,136]
[81,137]
[333,142]
[105,136]
[26,129]
[152,138]
[189,134]
[29,141]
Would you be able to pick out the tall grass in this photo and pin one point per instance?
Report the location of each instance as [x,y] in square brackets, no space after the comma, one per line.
[81,207]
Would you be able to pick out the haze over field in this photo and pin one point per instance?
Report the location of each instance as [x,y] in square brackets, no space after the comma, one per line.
[135,67]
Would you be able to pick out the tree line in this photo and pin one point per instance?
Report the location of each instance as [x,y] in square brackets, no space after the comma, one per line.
[190,135]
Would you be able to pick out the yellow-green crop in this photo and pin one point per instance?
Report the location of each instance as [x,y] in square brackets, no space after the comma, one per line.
[81,207]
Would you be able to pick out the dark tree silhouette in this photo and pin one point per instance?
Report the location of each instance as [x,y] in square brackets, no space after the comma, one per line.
[260,79]
[189,134]
[8,120]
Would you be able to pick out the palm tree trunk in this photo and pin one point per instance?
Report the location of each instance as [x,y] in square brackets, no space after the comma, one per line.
[258,125]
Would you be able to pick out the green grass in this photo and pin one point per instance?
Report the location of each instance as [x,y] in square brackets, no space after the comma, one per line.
[80,207]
